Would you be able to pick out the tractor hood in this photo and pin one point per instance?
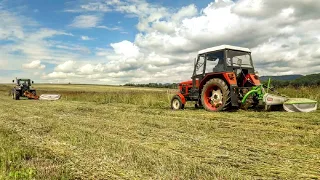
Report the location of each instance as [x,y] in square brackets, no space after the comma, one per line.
[188,83]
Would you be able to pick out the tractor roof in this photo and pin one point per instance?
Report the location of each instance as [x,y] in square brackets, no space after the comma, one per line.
[222,47]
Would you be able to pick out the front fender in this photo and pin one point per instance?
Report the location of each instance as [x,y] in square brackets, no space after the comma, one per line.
[183,99]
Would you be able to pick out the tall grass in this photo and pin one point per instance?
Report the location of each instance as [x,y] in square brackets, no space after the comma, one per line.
[140,96]
[134,97]
[302,92]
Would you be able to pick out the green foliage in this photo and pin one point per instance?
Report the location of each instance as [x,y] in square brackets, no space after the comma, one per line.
[308,80]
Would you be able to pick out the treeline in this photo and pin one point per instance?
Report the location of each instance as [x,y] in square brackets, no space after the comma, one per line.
[308,80]
[155,85]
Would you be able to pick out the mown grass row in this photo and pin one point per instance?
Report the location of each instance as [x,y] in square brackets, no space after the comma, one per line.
[122,141]
[18,160]
[125,139]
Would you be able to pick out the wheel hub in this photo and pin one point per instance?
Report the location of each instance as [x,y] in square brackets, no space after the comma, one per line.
[175,104]
[216,98]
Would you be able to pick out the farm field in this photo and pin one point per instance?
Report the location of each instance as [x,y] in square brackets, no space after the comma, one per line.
[111,132]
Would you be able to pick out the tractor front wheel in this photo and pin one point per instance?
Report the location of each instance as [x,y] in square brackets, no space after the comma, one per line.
[16,95]
[215,95]
[176,103]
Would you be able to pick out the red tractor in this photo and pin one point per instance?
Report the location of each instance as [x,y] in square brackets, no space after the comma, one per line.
[222,76]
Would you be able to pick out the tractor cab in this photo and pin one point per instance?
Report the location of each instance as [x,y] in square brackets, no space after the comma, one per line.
[224,59]
[24,83]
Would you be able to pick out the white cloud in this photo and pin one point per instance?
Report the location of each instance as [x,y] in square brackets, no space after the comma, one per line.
[126,49]
[91,21]
[86,21]
[67,66]
[110,28]
[185,12]
[90,69]
[96,6]
[164,27]
[34,65]
[86,38]
[10,26]
[59,75]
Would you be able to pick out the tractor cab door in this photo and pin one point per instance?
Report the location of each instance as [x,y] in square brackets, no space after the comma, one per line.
[211,62]
[199,69]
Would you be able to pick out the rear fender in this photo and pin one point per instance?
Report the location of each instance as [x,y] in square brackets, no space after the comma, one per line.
[254,79]
[228,77]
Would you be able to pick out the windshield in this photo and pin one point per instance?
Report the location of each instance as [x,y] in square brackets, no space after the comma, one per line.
[239,58]
[215,62]
[23,82]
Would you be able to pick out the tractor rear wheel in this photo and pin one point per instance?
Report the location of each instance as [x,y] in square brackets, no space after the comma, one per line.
[215,95]
[176,103]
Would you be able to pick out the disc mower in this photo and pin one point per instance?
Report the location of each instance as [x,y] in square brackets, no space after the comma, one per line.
[224,78]
[23,88]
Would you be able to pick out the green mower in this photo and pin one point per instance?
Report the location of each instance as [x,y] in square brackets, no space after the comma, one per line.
[269,100]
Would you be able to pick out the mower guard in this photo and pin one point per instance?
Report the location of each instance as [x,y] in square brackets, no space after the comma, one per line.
[290,104]
[50,97]
[300,105]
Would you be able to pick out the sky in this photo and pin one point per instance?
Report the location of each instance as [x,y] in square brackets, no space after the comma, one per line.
[142,41]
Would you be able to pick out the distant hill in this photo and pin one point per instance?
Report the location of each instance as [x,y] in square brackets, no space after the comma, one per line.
[282,78]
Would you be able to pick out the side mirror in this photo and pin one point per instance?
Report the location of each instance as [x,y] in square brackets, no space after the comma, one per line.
[32,82]
[12,81]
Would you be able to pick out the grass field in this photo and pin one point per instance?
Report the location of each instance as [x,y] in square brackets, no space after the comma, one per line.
[106,132]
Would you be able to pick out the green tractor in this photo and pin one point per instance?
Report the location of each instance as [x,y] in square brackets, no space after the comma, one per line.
[23,88]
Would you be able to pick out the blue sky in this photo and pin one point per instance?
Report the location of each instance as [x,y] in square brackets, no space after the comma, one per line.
[141,41]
